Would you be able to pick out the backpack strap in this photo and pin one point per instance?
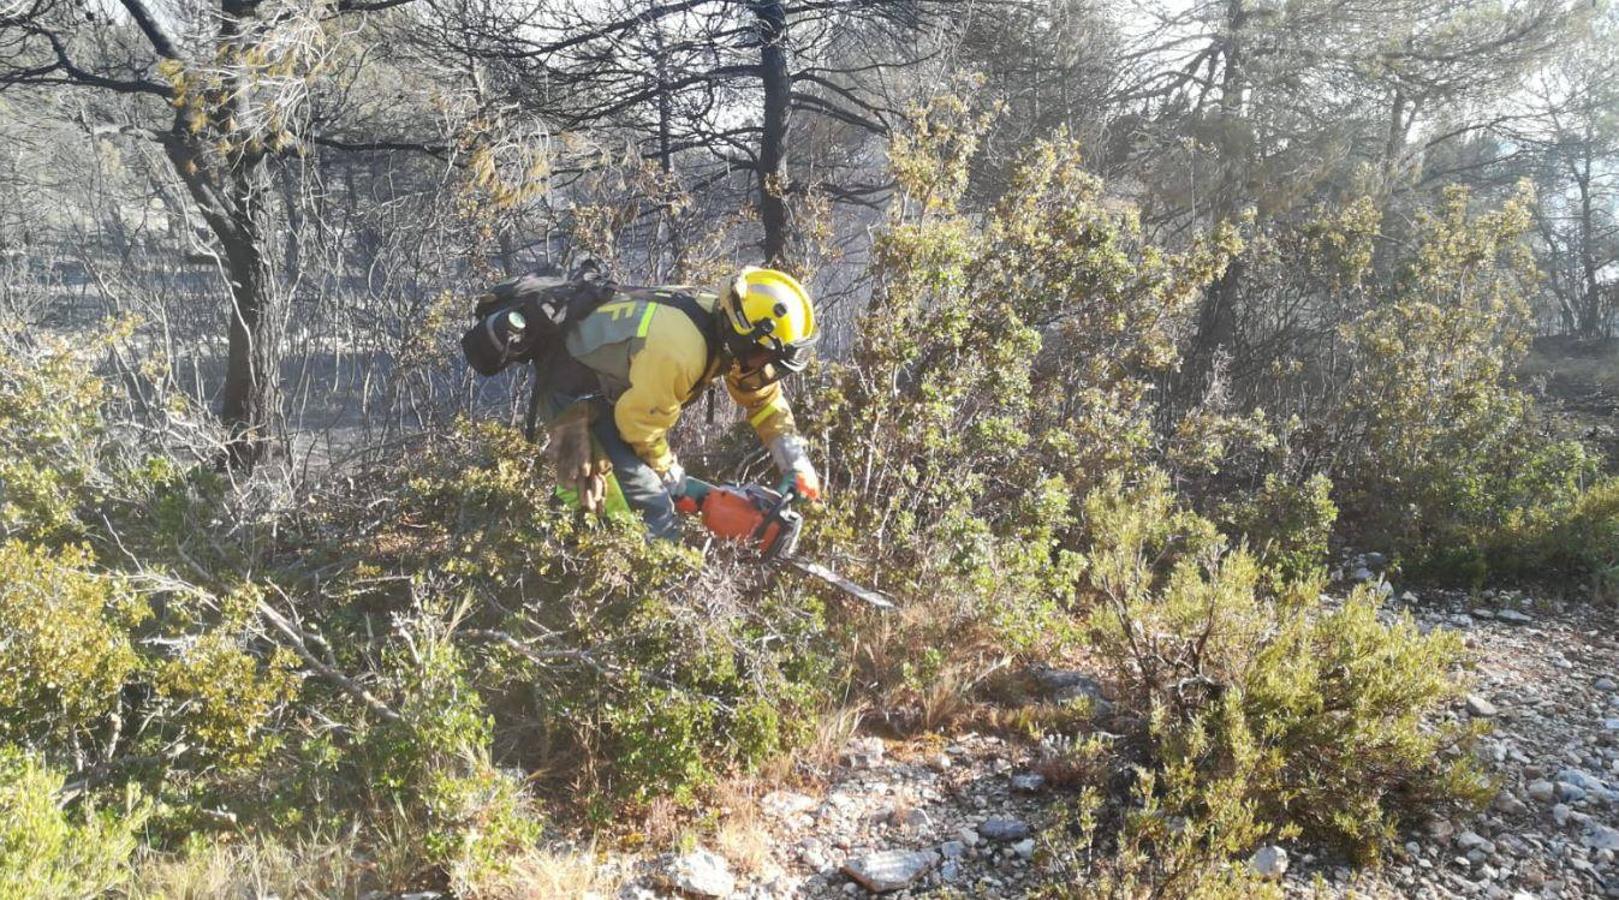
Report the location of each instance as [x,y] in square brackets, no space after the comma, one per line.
[701,318]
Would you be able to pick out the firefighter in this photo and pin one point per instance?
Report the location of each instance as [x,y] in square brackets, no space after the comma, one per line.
[644,354]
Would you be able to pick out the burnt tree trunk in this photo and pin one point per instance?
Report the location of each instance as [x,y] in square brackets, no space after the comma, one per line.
[1216,323]
[230,183]
[771,20]
[1593,320]
[232,199]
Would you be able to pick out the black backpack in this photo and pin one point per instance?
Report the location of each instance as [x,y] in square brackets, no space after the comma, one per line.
[521,319]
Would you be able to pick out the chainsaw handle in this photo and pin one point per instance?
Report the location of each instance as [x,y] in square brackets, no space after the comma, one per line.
[693,490]
[778,532]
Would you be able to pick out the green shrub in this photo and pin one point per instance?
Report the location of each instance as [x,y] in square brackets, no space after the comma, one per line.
[1323,712]
[1287,525]
[1440,447]
[222,696]
[1586,540]
[429,771]
[51,449]
[1182,837]
[46,852]
[67,647]
[112,660]
[633,666]
[1571,543]
[1011,359]
[1391,350]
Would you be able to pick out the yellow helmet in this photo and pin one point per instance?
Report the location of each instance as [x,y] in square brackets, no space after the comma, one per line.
[769,311]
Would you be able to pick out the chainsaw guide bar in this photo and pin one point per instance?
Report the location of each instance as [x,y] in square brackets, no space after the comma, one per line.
[764,519]
[838,581]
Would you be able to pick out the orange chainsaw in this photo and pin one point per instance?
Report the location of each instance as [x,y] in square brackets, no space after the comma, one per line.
[766,520]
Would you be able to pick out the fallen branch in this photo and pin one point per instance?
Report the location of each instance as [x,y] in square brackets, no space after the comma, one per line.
[297,640]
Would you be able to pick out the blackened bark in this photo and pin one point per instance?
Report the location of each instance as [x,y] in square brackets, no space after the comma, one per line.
[292,257]
[1593,322]
[232,188]
[231,196]
[771,19]
[249,402]
[1216,325]
[1216,330]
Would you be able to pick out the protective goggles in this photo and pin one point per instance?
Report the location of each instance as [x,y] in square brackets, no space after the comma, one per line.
[761,364]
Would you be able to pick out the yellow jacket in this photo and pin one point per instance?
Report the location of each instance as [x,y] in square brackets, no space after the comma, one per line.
[652,361]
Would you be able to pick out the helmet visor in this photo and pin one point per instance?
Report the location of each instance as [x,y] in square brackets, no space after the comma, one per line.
[795,356]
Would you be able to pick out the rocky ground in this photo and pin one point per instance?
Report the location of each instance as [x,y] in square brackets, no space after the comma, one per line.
[955,819]
[1546,679]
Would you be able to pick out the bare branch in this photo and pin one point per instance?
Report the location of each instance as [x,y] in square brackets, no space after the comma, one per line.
[149,26]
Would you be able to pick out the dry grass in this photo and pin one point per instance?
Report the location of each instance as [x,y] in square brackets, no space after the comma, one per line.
[316,870]
[661,828]
[887,655]
[742,837]
[946,700]
[833,730]
[548,875]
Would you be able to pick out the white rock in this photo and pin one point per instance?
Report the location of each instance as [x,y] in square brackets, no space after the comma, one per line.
[1472,840]
[1480,707]
[1067,684]
[786,804]
[1269,862]
[865,752]
[1513,616]
[1509,804]
[1028,783]
[907,817]
[1602,838]
[1542,790]
[890,870]
[1024,848]
[1605,684]
[1003,829]
[704,874]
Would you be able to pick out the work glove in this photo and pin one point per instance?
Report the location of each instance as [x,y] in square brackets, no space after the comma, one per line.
[578,467]
[797,472]
[674,479]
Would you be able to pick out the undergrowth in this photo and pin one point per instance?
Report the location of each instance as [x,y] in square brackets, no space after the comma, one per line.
[427,663]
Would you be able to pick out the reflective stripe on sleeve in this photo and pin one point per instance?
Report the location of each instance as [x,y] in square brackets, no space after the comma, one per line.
[646,320]
[777,404]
